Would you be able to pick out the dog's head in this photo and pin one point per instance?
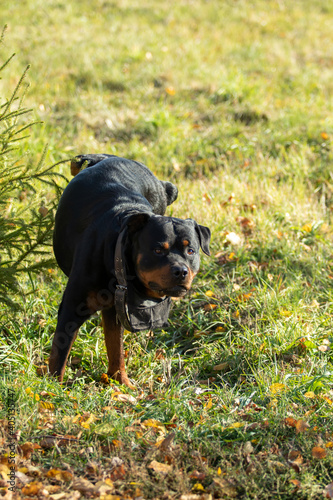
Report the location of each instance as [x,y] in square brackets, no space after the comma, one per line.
[166,252]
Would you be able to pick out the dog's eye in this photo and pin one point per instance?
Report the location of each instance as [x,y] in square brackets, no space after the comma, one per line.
[190,251]
[158,251]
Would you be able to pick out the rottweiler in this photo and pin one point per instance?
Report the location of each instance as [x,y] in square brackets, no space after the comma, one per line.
[121,255]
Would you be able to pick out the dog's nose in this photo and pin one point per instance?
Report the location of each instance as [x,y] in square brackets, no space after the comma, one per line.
[179,271]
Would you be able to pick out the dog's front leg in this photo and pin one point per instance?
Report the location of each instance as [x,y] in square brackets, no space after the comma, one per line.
[113,333]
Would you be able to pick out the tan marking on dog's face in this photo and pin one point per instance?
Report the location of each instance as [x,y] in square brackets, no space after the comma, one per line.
[185,243]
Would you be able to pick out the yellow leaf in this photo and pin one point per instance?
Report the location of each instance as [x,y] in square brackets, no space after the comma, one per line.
[328,400]
[324,136]
[307,228]
[285,313]
[219,471]
[236,425]
[198,486]
[28,390]
[277,388]
[329,444]
[44,405]
[170,91]
[310,395]
[104,378]
[209,404]
[209,293]
[220,329]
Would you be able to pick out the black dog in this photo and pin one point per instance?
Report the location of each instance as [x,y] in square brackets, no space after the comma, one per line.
[121,255]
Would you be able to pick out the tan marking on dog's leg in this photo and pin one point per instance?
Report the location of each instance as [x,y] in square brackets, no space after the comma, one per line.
[113,334]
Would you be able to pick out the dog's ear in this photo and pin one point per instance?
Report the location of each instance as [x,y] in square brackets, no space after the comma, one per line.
[204,234]
[137,221]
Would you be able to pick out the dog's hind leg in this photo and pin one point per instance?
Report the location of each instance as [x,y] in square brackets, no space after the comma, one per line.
[113,333]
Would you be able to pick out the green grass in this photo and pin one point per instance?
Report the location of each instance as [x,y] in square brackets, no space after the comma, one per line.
[232,102]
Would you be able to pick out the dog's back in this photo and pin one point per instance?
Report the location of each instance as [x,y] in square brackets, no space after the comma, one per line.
[109,185]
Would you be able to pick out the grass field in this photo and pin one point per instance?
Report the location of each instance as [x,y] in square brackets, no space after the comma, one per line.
[232,101]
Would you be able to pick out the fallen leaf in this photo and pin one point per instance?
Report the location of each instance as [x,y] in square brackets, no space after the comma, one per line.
[324,136]
[210,307]
[159,467]
[83,486]
[32,489]
[160,354]
[166,443]
[328,491]
[222,367]
[210,293]
[104,378]
[318,452]
[124,398]
[225,487]
[170,91]
[307,228]
[301,426]
[28,448]
[310,395]
[104,487]
[277,388]
[233,239]
[45,405]
[199,476]
[246,224]
[118,472]
[60,475]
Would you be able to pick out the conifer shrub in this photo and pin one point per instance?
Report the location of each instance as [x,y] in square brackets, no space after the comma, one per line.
[28,192]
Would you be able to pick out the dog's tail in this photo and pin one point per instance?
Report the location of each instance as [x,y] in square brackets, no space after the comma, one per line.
[84,161]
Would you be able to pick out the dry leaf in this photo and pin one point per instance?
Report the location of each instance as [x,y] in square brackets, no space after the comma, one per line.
[124,398]
[328,491]
[83,486]
[199,476]
[233,239]
[160,354]
[32,489]
[43,211]
[166,443]
[301,426]
[246,224]
[159,467]
[319,452]
[104,378]
[118,472]
[222,367]
[291,422]
[209,307]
